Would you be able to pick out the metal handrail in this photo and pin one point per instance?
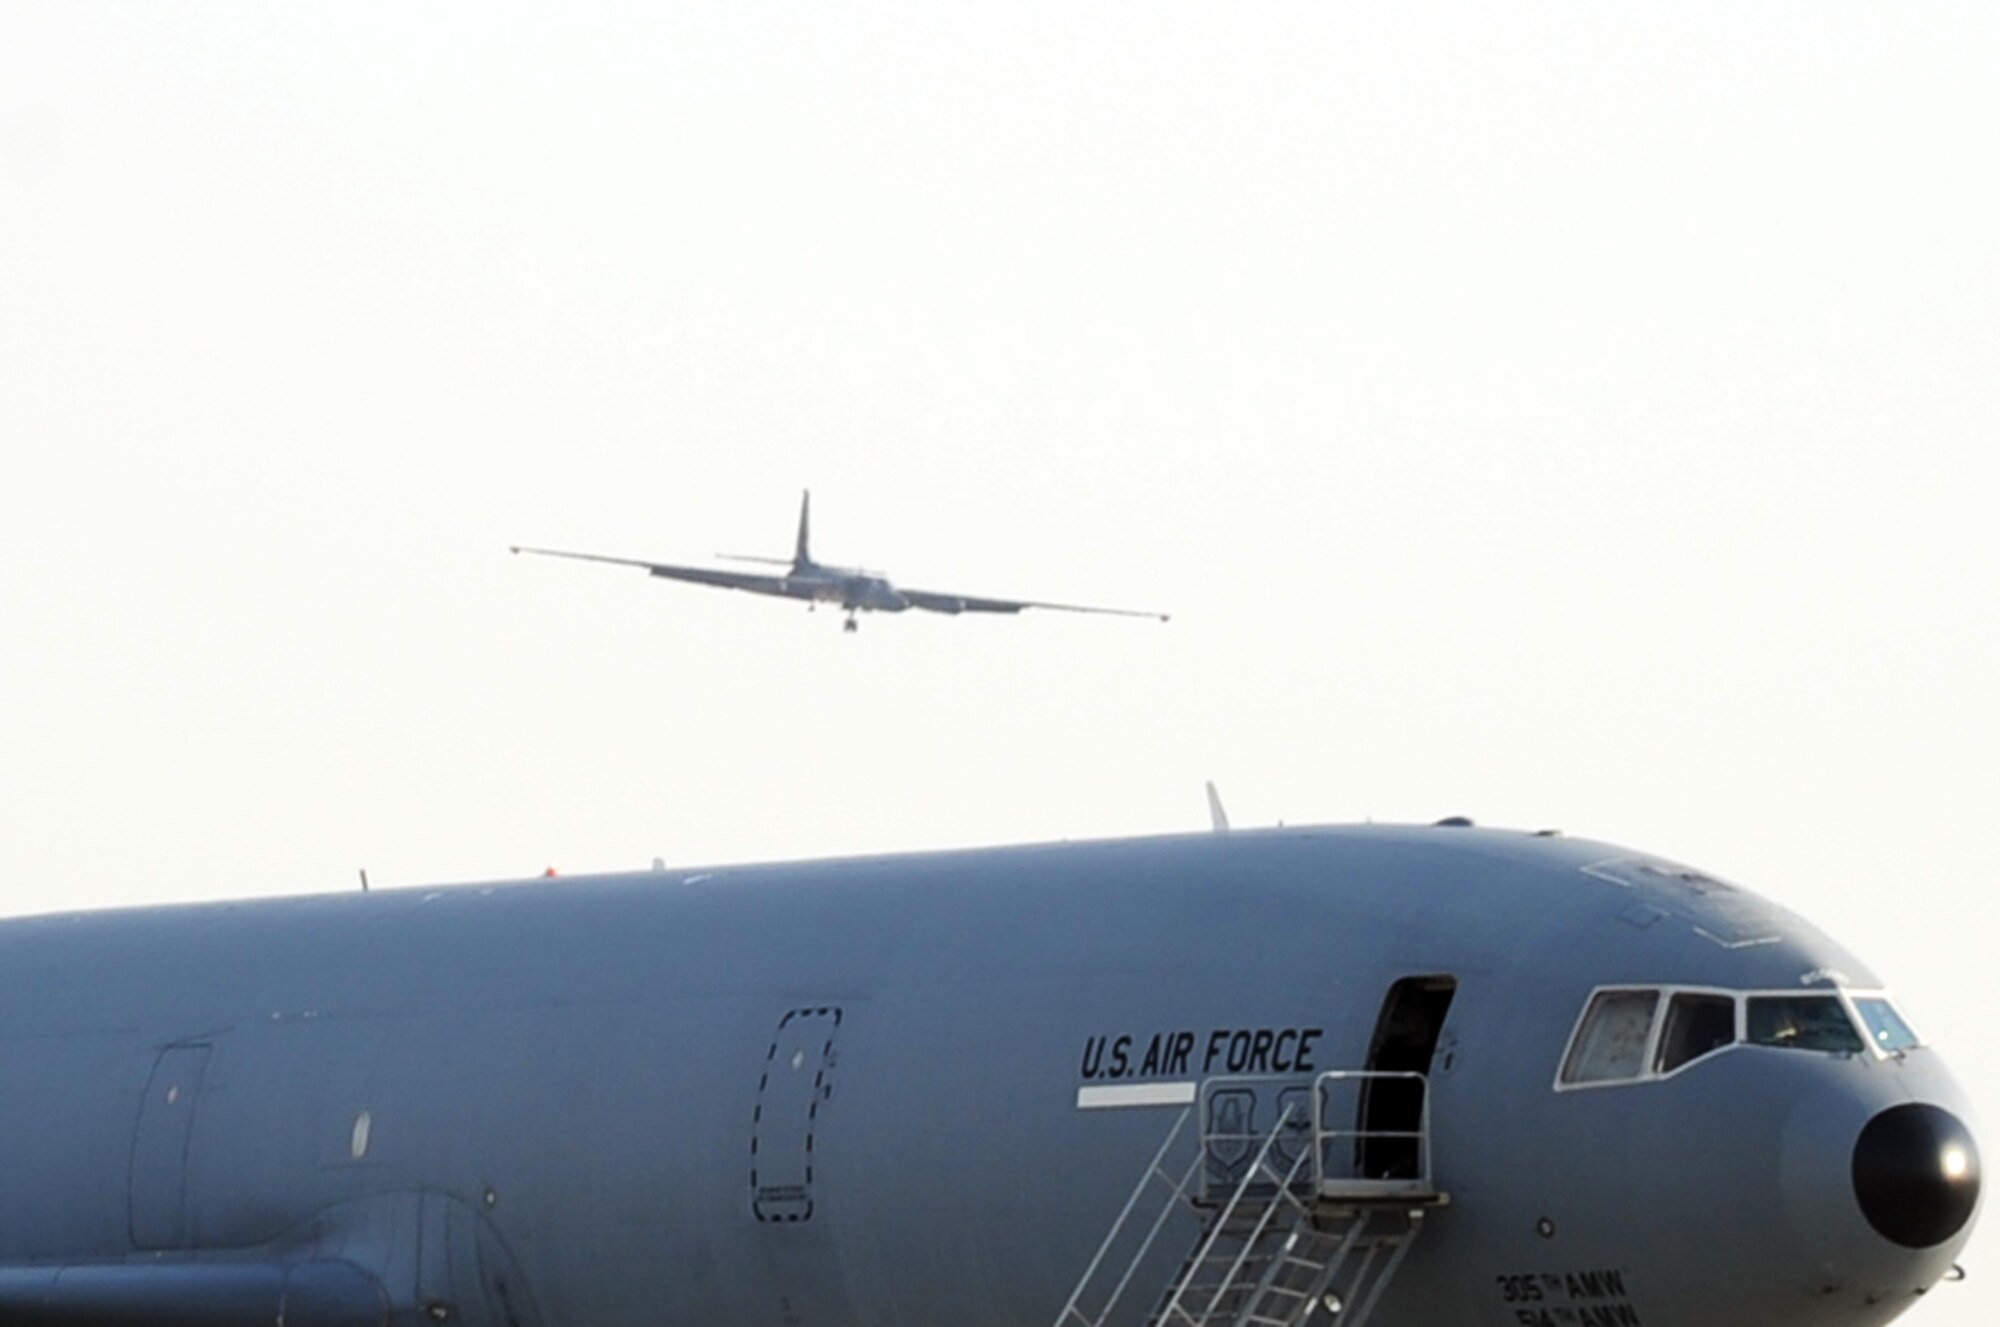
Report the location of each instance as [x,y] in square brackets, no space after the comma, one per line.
[1282,1224]
[1324,1136]
[1252,1137]
[1155,1170]
[1205,1249]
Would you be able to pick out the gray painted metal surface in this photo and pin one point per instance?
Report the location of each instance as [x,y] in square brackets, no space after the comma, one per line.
[912,1089]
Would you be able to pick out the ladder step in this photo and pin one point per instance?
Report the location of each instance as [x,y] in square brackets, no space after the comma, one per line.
[1274,1234]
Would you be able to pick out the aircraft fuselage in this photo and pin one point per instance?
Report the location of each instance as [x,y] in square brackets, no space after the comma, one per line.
[855,591]
[920,1089]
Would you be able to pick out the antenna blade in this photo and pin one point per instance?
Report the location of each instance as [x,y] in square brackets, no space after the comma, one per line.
[1218,819]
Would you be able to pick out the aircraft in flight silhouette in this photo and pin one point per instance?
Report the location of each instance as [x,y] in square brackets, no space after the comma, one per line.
[855,590]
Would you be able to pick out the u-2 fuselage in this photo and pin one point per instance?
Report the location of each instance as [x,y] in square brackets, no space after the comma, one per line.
[851,588]
[922,1088]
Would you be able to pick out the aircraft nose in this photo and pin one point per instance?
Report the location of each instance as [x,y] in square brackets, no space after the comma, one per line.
[1880,1181]
[1916,1174]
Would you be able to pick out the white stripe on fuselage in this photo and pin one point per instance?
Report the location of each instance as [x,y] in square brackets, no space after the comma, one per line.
[1135,1094]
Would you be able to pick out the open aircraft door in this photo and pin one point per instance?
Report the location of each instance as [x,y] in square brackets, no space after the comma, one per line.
[1393,1102]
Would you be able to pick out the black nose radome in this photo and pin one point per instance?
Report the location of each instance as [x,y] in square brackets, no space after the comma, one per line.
[1916,1173]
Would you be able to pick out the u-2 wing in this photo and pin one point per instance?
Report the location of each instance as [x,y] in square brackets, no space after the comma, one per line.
[754,582]
[936,601]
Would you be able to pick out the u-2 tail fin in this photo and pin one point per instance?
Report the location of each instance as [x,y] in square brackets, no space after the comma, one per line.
[801,557]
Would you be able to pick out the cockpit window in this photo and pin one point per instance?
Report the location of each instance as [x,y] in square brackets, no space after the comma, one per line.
[1886,1027]
[1611,1042]
[1802,1023]
[1696,1024]
[1636,1034]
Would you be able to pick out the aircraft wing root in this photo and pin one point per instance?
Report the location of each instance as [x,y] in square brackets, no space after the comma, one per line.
[325,1293]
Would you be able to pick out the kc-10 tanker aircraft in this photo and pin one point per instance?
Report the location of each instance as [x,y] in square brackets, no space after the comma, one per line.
[1434,1076]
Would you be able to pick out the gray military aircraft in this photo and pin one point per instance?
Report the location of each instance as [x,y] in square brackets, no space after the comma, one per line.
[1356,1077]
[855,590]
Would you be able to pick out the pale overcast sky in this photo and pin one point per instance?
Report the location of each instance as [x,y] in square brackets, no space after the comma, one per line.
[1570,415]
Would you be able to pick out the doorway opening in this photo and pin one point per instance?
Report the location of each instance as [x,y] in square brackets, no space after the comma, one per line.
[1391,1120]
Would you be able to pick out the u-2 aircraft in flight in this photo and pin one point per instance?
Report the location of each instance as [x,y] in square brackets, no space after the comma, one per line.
[855,590]
[1370,1076]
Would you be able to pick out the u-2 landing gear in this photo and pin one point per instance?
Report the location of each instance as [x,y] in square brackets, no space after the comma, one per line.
[850,624]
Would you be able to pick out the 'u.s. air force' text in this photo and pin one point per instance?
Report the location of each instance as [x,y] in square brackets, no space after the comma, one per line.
[1284,1050]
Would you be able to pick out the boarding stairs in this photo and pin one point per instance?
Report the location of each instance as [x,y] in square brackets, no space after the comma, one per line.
[1295,1222]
